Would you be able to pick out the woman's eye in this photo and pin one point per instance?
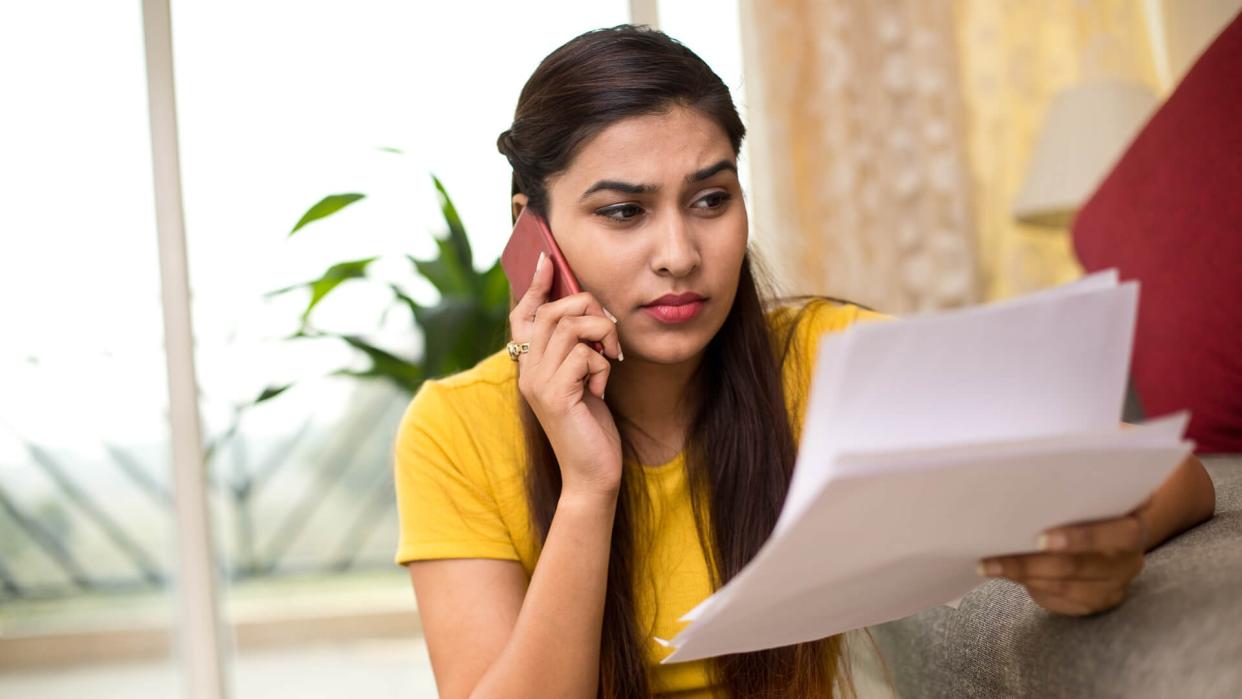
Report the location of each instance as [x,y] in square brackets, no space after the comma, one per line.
[716,200]
[622,212]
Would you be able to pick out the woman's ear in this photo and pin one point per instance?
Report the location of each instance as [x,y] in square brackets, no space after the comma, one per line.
[519,203]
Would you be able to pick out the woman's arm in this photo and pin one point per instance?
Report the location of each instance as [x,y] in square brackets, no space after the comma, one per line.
[490,636]
[549,647]
[1088,567]
[1185,499]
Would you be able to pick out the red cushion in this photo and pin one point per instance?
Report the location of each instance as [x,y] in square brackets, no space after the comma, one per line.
[1170,215]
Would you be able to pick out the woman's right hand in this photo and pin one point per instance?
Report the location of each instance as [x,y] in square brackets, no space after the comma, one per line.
[563,380]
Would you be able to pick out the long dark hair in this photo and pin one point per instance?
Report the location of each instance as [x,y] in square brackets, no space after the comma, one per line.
[740,448]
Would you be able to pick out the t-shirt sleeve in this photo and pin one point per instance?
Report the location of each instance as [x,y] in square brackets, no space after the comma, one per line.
[827,317]
[820,319]
[445,505]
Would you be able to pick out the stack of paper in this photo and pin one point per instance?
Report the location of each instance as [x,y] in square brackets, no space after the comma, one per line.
[936,441]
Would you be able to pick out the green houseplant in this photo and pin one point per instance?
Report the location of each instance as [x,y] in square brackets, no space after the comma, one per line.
[464,326]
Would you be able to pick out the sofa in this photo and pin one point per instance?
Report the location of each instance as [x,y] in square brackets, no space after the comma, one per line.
[1178,634]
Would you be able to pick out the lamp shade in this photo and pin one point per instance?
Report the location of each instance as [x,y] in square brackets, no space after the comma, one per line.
[1087,129]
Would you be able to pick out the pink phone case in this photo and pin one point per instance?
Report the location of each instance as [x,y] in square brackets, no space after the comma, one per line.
[532,236]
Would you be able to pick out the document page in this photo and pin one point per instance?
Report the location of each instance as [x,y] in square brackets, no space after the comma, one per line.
[936,441]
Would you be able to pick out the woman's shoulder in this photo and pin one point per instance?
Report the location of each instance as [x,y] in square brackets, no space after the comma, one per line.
[457,466]
[477,405]
[489,381]
[811,317]
[798,328]
[493,373]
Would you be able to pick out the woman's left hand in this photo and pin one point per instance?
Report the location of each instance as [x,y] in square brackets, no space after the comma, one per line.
[1084,568]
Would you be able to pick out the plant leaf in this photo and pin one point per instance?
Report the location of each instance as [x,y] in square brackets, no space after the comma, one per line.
[495,288]
[405,300]
[457,231]
[271,392]
[326,207]
[284,290]
[337,273]
[444,272]
[448,334]
[406,374]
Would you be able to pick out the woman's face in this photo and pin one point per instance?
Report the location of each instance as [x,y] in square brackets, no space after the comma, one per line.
[652,206]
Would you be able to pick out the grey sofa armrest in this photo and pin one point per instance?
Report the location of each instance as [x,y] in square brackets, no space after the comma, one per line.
[1179,633]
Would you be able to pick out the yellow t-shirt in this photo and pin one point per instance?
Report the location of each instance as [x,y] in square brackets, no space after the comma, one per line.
[459,477]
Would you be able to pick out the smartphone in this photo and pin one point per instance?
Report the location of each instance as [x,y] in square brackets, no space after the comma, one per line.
[530,237]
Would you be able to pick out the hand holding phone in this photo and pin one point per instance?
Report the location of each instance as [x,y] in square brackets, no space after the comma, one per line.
[564,385]
[530,237]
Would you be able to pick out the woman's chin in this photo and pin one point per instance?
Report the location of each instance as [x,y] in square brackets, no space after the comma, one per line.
[669,351]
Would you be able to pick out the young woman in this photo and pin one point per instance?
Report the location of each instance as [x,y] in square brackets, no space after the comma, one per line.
[560,507]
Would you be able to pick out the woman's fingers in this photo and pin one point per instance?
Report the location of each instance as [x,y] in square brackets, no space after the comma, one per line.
[1092,594]
[1082,602]
[574,329]
[520,318]
[556,331]
[601,369]
[548,315]
[583,364]
[1063,566]
[1106,536]
[1087,567]
[1057,605]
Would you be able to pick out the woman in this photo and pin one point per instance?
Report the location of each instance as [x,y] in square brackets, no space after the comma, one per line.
[560,507]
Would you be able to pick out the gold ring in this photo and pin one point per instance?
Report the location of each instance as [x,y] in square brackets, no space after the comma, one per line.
[517,348]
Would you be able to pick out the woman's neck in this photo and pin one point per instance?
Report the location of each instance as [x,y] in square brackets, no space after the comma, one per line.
[658,399]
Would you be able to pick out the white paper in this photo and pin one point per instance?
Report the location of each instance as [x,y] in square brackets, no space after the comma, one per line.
[933,442]
[1050,363]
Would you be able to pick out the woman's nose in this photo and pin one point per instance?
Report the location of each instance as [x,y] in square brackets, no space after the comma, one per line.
[676,250]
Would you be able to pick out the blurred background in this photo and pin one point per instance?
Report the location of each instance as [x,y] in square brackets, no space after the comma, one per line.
[344,207]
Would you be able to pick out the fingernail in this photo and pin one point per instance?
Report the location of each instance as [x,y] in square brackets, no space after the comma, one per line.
[539,263]
[620,356]
[610,315]
[1052,542]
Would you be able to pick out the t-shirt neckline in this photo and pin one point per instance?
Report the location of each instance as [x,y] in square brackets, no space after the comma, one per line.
[659,468]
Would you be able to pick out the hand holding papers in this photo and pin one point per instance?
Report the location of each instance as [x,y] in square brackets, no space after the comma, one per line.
[936,441]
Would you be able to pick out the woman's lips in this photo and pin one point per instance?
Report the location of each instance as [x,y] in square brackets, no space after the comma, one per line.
[675,314]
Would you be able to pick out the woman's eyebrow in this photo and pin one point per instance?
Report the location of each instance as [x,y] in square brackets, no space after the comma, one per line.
[711,170]
[627,188]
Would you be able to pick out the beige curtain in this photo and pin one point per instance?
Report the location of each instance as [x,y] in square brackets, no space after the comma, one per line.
[860,185]
[889,138]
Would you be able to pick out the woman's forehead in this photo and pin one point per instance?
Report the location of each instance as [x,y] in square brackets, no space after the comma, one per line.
[653,149]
